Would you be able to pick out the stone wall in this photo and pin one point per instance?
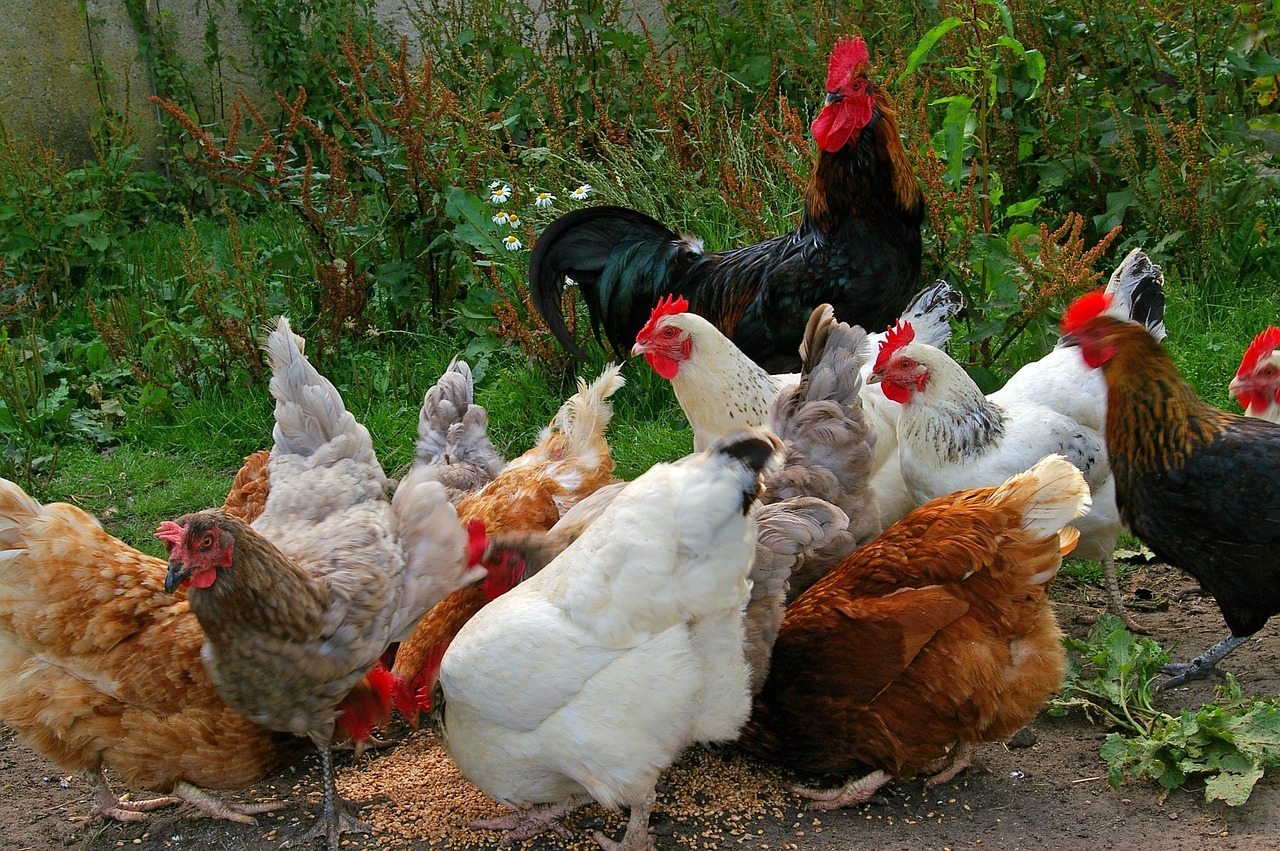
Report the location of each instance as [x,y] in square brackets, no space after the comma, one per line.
[47,54]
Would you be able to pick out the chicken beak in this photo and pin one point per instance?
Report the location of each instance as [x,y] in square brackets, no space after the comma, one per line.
[1068,340]
[178,574]
[637,349]
[875,377]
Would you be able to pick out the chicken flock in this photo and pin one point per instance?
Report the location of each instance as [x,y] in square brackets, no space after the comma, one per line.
[848,576]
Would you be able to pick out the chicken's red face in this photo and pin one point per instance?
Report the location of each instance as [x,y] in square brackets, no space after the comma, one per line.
[1257,385]
[665,346]
[900,377]
[850,96]
[197,550]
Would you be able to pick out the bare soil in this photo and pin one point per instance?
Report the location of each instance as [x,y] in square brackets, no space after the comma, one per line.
[1052,794]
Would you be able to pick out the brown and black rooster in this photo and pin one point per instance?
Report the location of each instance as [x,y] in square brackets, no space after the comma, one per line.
[1196,484]
[857,247]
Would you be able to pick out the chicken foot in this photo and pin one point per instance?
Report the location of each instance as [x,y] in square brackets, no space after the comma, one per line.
[856,791]
[215,807]
[1204,665]
[637,837]
[108,805]
[1115,603]
[960,758]
[528,822]
[336,819]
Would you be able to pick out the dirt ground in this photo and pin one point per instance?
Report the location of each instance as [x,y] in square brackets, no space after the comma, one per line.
[1053,794]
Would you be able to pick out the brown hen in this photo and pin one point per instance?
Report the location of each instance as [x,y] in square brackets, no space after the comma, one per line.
[934,637]
[100,667]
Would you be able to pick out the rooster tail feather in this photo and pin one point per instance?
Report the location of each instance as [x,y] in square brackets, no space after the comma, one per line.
[1052,494]
[619,258]
[1137,293]
[930,313]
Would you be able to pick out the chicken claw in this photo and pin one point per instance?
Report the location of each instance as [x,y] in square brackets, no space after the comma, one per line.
[1204,665]
[637,837]
[960,758]
[109,806]
[528,822]
[857,791]
[213,806]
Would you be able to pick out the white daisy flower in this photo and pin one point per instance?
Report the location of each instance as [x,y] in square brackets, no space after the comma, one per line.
[500,194]
[501,217]
[544,199]
[495,184]
[581,193]
[513,220]
[512,243]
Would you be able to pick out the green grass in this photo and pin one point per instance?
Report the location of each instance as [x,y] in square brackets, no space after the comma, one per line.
[169,462]
[165,465]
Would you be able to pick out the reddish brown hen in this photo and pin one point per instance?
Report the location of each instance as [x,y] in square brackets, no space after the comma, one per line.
[100,667]
[931,639]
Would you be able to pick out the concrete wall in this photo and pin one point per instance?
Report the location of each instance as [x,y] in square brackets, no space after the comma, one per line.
[47,53]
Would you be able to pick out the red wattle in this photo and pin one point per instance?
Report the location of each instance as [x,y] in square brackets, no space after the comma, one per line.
[663,365]
[203,578]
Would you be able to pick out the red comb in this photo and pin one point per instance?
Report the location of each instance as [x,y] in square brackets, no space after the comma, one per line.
[1264,344]
[476,541]
[171,533]
[899,335]
[665,307]
[848,56]
[1088,306]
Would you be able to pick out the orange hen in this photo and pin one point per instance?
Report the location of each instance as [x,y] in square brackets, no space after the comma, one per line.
[935,637]
[99,666]
[570,461]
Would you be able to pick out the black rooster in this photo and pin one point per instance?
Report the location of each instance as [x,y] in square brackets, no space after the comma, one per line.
[857,246]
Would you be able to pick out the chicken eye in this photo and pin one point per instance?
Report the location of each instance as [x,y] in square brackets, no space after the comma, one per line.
[207,541]
[668,332]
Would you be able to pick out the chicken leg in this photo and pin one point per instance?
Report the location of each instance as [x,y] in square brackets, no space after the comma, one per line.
[1115,603]
[637,837]
[335,820]
[856,791]
[1204,665]
[108,805]
[960,758]
[215,807]
[528,822]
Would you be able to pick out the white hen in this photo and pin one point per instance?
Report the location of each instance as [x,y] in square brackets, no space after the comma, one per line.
[548,691]
[951,437]
[722,390]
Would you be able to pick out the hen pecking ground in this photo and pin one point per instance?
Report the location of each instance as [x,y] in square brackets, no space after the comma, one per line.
[1052,794]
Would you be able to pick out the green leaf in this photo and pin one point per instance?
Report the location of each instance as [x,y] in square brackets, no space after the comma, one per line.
[83,217]
[1023,208]
[926,44]
[1234,788]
